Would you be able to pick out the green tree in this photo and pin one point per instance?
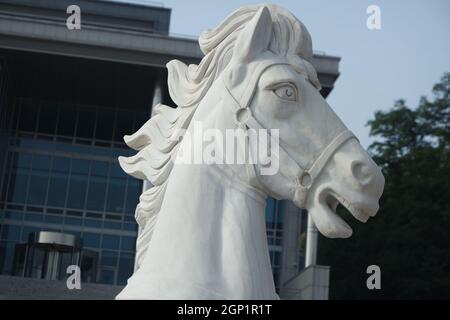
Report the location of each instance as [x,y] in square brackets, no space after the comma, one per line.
[410,237]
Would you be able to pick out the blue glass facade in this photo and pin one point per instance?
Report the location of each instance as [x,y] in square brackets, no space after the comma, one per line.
[58,160]
[274,229]
[61,174]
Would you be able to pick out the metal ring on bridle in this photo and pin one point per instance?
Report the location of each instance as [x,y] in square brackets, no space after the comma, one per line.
[241,117]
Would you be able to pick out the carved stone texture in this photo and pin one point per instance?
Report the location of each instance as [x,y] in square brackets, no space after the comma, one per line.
[202,224]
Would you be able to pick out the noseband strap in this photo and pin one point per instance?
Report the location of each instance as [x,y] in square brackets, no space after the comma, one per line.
[308,177]
[305,177]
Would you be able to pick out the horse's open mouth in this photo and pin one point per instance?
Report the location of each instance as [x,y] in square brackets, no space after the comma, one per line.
[361,214]
[332,224]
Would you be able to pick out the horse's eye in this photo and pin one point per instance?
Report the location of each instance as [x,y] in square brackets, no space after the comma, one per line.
[286,92]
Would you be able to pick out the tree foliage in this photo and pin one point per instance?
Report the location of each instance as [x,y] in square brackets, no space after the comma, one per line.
[410,237]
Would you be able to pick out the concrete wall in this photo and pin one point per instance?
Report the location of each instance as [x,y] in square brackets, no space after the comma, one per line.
[311,284]
[17,288]
[291,244]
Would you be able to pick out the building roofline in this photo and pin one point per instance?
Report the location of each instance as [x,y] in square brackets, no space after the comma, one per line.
[51,4]
[114,40]
[121,15]
[137,3]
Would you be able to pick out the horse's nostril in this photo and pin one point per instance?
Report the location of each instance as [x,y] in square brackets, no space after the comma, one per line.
[361,172]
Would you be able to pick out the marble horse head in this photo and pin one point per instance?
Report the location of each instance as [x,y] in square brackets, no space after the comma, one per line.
[202,229]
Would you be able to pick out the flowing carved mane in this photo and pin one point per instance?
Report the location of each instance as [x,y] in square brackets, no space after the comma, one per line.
[155,141]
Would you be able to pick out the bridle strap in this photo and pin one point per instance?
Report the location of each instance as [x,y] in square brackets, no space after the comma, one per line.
[304,178]
[328,152]
[250,88]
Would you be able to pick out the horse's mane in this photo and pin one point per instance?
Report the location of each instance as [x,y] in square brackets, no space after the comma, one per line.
[155,140]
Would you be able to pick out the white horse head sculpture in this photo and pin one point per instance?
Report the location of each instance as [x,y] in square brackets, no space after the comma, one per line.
[202,228]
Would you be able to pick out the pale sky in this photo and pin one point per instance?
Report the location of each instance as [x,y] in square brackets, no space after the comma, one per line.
[402,60]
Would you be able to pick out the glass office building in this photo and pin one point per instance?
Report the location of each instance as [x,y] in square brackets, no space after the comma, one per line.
[66,100]
[60,170]
[60,173]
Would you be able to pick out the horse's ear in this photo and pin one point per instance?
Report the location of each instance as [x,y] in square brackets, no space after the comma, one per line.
[254,38]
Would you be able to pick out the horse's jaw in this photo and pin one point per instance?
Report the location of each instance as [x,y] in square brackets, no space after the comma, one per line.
[329,223]
[342,183]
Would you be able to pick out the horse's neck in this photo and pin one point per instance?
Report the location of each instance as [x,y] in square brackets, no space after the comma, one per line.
[211,233]
[211,185]
[209,218]
[231,179]
[204,186]
[210,238]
